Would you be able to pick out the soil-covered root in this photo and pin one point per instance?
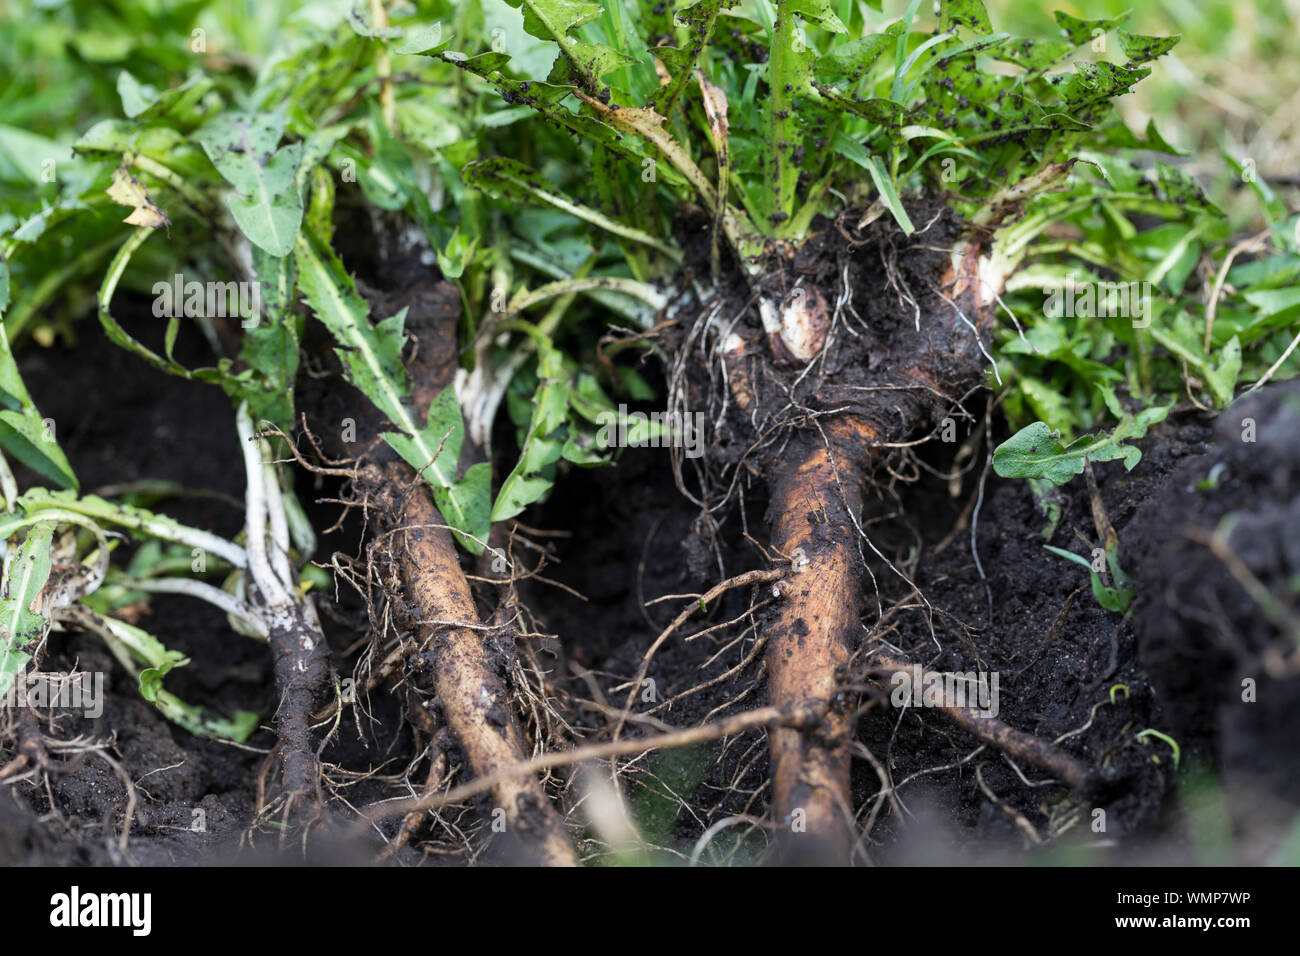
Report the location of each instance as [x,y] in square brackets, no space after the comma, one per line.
[1034,751]
[813,504]
[301,666]
[456,667]
[298,647]
[457,656]
[816,482]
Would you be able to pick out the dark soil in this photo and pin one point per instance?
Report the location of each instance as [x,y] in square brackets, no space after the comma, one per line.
[1058,653]
[1175,665]
[120,421]
[1225,663]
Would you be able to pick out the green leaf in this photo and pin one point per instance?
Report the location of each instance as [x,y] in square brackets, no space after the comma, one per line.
[789,76]
[547,100]
[1274,205]
[1118,598]
[1049,502]
[67,506]
[150,660]
[465,504]
[1183,340]
[1142,49]
[1178,186]
[533,475]
[1158,143]
[1070,556]
[20,626]
[1222,376]
[270,347]
[875,167]
[456,255]
[149,682]
[1036,56]
[119,336]
[242,147]
[1036,451]
[503,178]
[820,13]
[1079,31]
[360,22]
[701,18]
[421,39]
[880,176]
[182,106]
[966,13]
[1275,300]
[23,433]
[372,361]
[656,803]
[854,59]
[876,110]
[22,153]
[204,723]
[136,97]
[554,20]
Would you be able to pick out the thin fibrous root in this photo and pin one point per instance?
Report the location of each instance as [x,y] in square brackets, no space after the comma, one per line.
[29,744]
[700,602]
[432,782]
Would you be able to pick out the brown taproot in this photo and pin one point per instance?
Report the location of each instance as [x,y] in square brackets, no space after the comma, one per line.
[816,497]
[466,673]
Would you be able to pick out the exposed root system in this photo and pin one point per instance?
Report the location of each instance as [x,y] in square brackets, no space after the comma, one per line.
[460,659]
[705,643]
